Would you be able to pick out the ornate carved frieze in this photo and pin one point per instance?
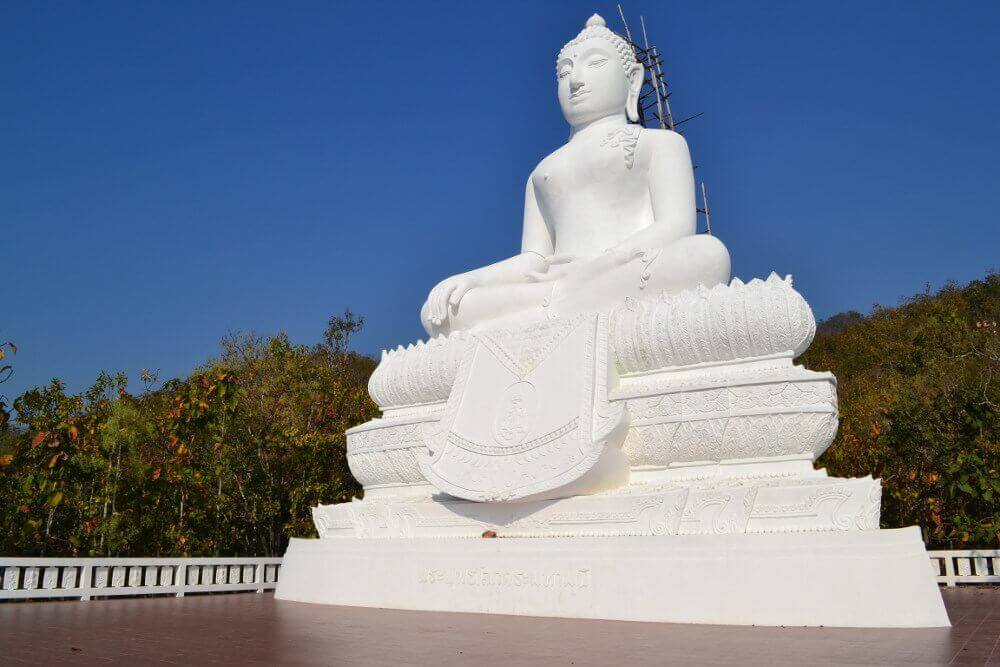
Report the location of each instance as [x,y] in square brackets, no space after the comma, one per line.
[791,413]
[420,373]
[723,323]
[626,138]
[602,515]
[848,504]
[386,451]
[750,505]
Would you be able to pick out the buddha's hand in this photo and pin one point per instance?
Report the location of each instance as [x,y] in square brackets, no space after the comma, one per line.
[619,256]
[559,266]
[572,270]
[448,294]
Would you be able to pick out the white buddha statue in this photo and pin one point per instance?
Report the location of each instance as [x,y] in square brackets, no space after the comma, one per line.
[609,215]
[631,453]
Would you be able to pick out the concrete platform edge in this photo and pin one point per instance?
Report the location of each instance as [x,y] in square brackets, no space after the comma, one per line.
[876,578]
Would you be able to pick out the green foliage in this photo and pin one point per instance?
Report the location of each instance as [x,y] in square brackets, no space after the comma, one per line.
[919,391]
[6,370]
[228,461]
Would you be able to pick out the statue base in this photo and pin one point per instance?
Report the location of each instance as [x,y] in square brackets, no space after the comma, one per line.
[874,578]
[714,513]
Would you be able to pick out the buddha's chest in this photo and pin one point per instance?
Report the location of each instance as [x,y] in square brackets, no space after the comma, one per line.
[590,175]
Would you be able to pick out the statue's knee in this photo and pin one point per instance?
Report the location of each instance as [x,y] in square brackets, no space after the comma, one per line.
[708,258]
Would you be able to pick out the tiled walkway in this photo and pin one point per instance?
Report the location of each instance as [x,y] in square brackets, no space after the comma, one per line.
[250,629]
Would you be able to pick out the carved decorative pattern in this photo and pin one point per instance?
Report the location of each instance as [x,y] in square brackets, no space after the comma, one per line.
[836,505]
[739,422]
[385,452]
[421,373]
[735,437]
[724,323]
[804,505]
[647,257]
[868,515]
[488,470]
[627,138]
[717,506]
[523,349]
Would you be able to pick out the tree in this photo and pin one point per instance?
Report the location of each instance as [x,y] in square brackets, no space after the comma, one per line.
[228,461]
[918,397]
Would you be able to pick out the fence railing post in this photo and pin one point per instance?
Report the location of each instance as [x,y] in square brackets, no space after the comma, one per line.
[949,570]
[85,578]
[180,579]
[259,577]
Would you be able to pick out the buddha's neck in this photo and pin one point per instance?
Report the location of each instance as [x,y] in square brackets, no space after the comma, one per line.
[600,126]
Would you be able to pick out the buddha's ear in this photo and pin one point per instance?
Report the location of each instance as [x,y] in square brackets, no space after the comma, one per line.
[635,76]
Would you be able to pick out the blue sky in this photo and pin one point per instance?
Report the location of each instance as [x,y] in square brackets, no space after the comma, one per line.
[174,171]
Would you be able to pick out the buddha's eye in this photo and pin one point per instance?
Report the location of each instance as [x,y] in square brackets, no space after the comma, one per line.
[563,74]
[600,62]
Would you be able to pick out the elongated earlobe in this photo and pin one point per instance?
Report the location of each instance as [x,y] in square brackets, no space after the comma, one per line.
[635,76]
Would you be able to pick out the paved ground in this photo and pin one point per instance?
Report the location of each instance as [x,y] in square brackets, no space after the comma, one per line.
[250,629]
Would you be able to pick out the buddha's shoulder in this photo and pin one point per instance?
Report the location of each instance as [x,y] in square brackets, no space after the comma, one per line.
[552,161]
[657,140]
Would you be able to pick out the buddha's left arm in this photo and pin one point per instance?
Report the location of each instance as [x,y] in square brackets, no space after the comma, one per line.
[671,192]
[671,187]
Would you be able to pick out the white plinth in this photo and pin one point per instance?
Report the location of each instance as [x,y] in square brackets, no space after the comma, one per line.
[878,578]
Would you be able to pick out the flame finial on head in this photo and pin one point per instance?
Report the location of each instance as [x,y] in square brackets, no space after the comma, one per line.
[597,27]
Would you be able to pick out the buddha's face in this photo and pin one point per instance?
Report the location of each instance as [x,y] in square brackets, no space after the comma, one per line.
[592,82]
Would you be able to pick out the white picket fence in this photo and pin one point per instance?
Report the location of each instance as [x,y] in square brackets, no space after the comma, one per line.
[85,578]
[976,566]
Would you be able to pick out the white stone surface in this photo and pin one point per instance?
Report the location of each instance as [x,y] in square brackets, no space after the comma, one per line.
[852,579]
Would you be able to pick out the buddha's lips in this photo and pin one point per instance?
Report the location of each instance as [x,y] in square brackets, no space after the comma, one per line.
[576,96]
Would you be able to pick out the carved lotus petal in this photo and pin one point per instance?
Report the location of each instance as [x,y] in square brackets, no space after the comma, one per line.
[724,323]
[421,373]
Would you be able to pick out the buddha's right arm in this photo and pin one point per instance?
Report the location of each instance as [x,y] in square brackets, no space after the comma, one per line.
[511,270]
[449,292]
[536,236]
[536,248]
[535,258]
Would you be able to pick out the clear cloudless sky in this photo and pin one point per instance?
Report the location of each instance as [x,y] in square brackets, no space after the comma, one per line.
[174,171]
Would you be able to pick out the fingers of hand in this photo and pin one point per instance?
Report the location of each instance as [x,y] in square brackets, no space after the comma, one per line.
[443,301]
[434,304]
[560,259]
[459,292]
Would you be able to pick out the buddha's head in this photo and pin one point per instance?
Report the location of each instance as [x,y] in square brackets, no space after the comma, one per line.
[598,75]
